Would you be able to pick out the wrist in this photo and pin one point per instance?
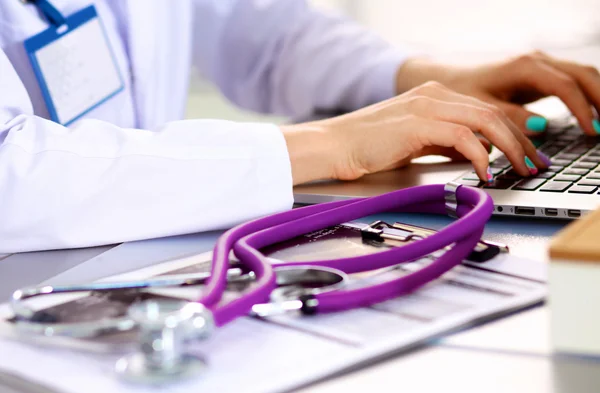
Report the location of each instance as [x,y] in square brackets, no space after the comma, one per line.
[417,71]
[312,150]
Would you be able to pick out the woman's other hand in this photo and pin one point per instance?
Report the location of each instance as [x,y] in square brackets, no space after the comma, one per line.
[512,83]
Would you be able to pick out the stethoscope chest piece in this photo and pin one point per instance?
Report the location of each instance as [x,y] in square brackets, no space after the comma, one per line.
[136,368]
[165,327]
[295,281]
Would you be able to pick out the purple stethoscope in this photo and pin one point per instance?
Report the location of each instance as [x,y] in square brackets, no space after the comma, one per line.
[167,325]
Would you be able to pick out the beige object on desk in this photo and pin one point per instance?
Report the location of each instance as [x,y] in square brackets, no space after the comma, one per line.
[575,287]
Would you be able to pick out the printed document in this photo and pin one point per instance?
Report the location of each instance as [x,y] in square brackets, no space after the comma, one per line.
[279,353]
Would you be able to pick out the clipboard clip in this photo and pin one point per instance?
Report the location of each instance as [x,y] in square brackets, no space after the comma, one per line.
[380,231]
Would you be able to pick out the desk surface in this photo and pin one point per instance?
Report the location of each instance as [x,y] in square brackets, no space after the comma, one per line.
[514,351]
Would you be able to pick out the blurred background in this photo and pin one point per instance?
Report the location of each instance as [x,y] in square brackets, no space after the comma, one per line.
[457,31]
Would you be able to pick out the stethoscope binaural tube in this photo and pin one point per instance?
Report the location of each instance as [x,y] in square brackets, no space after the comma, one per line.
[474,207]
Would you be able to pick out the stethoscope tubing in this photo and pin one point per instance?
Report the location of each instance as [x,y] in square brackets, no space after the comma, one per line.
[475,206]
[265,278]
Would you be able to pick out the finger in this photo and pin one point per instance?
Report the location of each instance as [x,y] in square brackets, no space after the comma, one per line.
[587,77]
[531,124]
[450,152]
[445,94]
[552,81]
[478,119]
[534,158]
[430,132]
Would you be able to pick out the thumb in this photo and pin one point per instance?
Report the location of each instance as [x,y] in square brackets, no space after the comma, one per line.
[530,123]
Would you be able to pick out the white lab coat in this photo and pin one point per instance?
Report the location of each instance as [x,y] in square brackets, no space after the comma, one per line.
[131,169]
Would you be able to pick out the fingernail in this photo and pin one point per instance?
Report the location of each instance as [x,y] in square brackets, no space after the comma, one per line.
[547,161]
[490,175]
[537,123]
[529,163]
[532,169]
[596,124]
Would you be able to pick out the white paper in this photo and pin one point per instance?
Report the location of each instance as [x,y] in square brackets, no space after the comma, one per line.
[286,352]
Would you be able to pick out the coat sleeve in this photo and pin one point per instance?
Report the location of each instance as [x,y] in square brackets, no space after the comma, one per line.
[284,57]
[95,183]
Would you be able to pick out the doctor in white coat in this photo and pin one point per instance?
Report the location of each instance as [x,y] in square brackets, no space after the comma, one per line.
[131,169]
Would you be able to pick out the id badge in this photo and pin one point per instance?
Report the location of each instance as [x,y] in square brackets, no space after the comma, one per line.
[74,65]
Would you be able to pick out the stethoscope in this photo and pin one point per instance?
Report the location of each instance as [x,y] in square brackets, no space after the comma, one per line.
[167,325]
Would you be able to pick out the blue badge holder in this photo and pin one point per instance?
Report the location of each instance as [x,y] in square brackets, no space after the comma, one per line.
[60,27]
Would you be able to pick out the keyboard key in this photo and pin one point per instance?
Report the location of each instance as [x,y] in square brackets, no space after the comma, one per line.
[529,184]
[568,178]
[589,141]
[567,137]
[556,168]
[575,171]
[551,150]
[471,176]
[560,162]
[590,159]
[573,131]
[500,162]
[578,151]
[584,165]
[566,157]
[500,184]
[594,175]
[470,183]
[555,186]
[545,175]
[582,189]
[513,174]
[507,176]
[589,182]
[557,143]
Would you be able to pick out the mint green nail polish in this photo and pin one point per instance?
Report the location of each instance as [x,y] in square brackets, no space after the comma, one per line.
[596,125]
[537,123]
[529,163]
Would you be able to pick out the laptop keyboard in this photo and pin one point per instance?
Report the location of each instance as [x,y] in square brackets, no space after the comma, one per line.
[575,167]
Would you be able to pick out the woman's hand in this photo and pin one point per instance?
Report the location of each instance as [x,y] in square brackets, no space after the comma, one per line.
[512,83]
[429,119]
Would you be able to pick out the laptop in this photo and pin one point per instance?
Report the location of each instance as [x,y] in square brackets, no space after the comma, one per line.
[568,189]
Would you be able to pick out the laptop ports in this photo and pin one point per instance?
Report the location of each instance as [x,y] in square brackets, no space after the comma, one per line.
[551,212]
[525,211]
[574,213]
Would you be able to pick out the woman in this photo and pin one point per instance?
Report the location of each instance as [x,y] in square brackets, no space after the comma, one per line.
[129,169]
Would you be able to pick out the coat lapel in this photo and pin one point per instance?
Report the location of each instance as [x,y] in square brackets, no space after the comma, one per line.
[160,38]
[144,49]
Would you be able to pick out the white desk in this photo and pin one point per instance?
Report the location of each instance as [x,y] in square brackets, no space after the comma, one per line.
[465,370]
[518,358]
